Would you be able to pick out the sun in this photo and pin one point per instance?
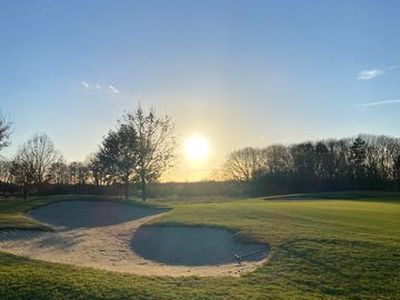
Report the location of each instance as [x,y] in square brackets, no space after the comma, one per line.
[196,148]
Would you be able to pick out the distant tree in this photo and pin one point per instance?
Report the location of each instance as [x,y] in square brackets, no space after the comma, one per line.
[119,155]
[78,173]
[396,169]
[6,179]
[367,161]
[98,171]
[394,151]
[322,161]
[278,160]
[358,159]
[32,164]
[304,162]
[5,176]
[5,132]
[244,165]
[340,150]
[156,144]
[378,159]
[58,173]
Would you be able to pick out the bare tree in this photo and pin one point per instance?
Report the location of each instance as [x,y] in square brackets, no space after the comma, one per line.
[4,171]
[156,144]
[58,173]
[78,173]
[394,160]
[32,164]
[245,164]
[5,132]
[278,159]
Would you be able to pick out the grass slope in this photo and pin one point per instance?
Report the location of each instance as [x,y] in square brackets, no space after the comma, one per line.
[321,249]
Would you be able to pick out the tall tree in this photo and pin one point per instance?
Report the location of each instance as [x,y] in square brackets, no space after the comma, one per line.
[244,165]
[394,150]
[278,160]
[396,169]
[5,176]
[119,154]
[156,144]
[32,164]
[97,170]
[58,173]
[304,158]
[78,173]
[358,159]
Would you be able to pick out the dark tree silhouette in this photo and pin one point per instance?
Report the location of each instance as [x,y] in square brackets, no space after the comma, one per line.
[366,162]
[156,144]
[5,132]
[58,173]
[119,154]
[245,164]
[31,166]
[358,160]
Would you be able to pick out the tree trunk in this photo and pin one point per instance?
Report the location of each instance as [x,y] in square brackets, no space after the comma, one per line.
[398,181]
[144,191]
[126,187]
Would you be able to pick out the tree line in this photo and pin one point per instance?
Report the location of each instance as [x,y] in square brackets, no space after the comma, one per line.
[363,162]
[141,147]
[137,151]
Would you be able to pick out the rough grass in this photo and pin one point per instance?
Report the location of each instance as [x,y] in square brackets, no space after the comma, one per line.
[321,249]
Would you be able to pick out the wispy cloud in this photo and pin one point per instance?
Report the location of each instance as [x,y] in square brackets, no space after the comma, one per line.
[114,89]
[85,84]
[105,88]
[369,74]
[377,103]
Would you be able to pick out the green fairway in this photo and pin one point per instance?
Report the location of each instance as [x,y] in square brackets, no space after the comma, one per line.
[321,247]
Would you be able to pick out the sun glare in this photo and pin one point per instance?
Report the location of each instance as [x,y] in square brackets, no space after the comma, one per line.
[196,148]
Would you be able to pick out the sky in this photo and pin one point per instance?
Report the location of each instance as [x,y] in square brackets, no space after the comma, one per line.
[239,73]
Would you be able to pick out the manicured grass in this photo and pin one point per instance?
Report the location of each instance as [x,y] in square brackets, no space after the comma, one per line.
[321,248]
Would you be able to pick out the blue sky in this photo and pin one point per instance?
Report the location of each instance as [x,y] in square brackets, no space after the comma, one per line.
[238,72]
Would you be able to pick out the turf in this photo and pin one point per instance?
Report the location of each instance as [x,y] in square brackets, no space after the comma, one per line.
[322,247]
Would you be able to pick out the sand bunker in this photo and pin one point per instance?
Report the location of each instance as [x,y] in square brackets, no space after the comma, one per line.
[194,246]
[102,234]
[76,214]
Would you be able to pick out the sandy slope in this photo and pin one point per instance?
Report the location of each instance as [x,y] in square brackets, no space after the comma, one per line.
[103,247]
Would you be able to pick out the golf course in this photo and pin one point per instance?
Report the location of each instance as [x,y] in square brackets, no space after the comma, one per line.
[200,150]
[320,246]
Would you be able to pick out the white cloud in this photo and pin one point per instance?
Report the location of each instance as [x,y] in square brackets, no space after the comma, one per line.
[377,103]
[86,85]
[114,89]
[105,88]
[369,74]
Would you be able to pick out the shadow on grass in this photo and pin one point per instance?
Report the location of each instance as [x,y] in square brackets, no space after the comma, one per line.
[371,196]
[335,267]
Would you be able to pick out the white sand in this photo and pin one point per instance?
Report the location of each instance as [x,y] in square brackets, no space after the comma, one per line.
[106,248]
